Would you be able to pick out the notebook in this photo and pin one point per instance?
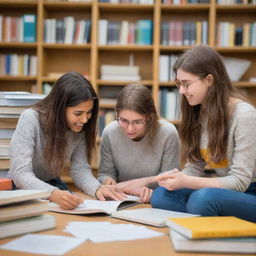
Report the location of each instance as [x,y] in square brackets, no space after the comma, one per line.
[149,216]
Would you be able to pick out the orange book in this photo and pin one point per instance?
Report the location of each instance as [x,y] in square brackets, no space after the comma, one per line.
[5,184]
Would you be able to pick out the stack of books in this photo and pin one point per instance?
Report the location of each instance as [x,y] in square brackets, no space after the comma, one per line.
[22,211]
[217,234]
[120,73]
[12,104]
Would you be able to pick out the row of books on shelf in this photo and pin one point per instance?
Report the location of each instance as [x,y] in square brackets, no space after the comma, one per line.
[67,30]
[166,63]
[180,2]
[229,34]
[18,64]
[105,118]
[124,32]
[184,32]
[127,1]
[234,2]
[169,101]
[18,29]
[82,1]
[236,67]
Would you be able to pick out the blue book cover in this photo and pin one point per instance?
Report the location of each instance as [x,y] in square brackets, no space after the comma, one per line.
[29,28]
[7,64]
[144,32]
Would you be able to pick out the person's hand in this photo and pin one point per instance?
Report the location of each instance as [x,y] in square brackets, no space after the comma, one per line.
[172,180]
[144,193]
[109,181]
[65,199]
[109,191]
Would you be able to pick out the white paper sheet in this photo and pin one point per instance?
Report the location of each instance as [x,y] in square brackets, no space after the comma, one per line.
[106,232]
[43,244]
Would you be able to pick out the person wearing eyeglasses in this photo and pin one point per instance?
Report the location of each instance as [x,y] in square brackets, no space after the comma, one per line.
[137,146]
[217,131]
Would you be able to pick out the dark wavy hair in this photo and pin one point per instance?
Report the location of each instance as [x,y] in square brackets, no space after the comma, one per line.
[69,90]
[215,108]
[137,97]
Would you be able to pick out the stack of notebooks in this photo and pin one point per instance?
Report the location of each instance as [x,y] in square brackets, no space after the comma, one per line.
[213,234]
[22,211]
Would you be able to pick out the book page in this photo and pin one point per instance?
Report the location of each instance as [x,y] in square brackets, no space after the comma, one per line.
[95,206]
[150,216]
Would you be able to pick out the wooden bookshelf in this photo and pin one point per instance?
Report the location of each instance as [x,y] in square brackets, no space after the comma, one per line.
[87,58]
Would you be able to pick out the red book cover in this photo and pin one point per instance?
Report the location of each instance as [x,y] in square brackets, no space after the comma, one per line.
[5,184]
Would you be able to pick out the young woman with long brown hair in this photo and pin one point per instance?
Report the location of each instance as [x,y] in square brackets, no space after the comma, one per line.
[137,146]
[59,129]
[218,130]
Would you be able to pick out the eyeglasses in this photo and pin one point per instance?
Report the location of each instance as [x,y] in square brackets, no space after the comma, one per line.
[185,85]
[124,123]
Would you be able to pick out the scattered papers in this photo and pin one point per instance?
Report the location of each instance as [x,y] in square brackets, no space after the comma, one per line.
[95,231]
[107,232]
[43,244]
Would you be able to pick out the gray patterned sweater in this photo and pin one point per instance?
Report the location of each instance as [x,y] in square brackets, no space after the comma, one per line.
[28,168]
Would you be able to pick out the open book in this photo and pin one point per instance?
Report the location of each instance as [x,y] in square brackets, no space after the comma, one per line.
[149,216]
[96,206]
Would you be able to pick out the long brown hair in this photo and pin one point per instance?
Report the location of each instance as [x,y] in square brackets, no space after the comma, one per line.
[69,90]
[137,97]
[202,61]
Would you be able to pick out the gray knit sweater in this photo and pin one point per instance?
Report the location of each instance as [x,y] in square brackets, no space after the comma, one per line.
[124,159]
[28,168]
[241,154]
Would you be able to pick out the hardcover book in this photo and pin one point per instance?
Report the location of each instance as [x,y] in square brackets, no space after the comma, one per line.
[212,227]
[26,225]
[215,245]
[21,195]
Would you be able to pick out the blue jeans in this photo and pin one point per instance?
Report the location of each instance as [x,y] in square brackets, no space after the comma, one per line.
[208,201]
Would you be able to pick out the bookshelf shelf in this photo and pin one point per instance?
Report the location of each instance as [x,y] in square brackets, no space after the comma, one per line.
[18,78]
[245,84]
[107,106]
[236,8]
[66,46]
[67,5]
[186,7]
[17,45]
[123,83]
[127,7]
[126,48]
[236,49]
[14,4]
